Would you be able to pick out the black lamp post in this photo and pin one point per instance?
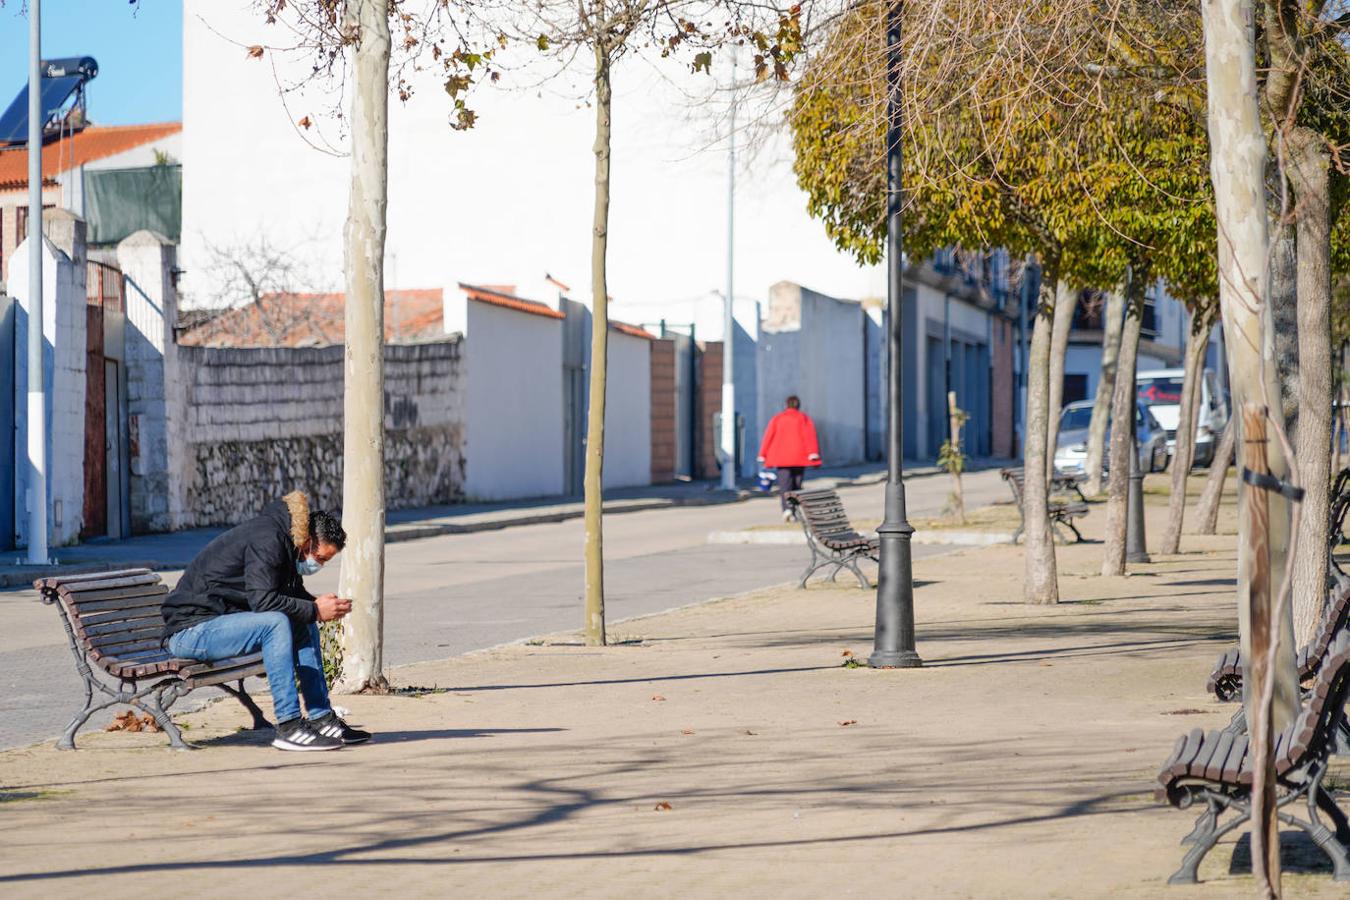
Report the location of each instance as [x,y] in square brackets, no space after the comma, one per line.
[893,644]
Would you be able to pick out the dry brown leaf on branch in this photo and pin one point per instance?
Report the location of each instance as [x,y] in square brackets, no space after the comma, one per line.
[305,123]
[255,52]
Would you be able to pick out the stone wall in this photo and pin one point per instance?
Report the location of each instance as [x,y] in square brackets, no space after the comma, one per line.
[262,422]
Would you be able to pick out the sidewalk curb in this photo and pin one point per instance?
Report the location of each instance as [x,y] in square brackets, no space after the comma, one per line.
[784,537]
[24,576]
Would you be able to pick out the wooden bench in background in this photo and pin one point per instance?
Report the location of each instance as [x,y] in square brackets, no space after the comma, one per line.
[113,622]
[832,538]
[1061,513]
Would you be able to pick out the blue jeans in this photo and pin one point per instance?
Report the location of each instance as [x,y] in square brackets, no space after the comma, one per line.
[289,652]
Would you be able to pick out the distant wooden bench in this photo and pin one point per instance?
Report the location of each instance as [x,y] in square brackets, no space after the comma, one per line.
[832,539]
[1216,767]
[1060,513]
[1225,680]
[113,622]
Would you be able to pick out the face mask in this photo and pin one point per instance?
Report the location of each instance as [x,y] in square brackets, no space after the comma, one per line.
[308,566]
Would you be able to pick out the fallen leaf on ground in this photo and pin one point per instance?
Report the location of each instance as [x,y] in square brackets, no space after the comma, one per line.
[752,733]
[847,722]
[1184,712]
[686,731]
[662,806]
[847,653]
[129,721]
[658,698]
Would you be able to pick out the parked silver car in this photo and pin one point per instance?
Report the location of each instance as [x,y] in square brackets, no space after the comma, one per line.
[1071,453]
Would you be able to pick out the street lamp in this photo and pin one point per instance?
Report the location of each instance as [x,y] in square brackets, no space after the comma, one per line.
[893,644]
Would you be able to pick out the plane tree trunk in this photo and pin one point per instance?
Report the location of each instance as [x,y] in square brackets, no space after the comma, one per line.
[1106,385]
[1184,454]
[1040,575]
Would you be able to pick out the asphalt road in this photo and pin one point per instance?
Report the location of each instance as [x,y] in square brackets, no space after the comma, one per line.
[455,593]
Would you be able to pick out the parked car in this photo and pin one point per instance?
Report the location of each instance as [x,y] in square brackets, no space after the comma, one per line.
[1071,453]
[1161,390]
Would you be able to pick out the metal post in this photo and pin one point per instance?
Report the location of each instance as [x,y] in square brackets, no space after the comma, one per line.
[729,330]
[37,405]
[1021,390]
[894,639]
[1135,549]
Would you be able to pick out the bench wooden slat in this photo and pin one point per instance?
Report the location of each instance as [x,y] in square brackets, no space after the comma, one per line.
[80,587]
[84,599]
[56,582]
[1214,763]
[108,610]
[145,631]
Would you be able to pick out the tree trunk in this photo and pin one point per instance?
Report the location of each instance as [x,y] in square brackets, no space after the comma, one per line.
[1284,316]
[958,461]
[595,419]
[1184,454]
[1308,172]
[1237,169]
[1106,385]
[1207,512]
[362,576]
[1041,579]
[1066,301]
[1122,443]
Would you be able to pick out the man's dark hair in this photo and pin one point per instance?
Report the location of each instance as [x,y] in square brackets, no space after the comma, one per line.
[793,402]
[324,528]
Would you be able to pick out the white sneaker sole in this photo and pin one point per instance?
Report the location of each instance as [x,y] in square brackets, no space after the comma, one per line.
[287,745]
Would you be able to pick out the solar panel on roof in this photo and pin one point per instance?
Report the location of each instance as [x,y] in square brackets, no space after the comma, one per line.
[55,93]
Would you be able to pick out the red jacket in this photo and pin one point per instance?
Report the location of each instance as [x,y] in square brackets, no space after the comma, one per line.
[790,440]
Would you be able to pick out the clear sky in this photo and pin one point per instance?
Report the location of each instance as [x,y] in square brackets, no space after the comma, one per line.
[139,48]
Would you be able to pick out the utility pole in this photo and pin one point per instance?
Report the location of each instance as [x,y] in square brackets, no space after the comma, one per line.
[893,644]
[729,472]
[37,401]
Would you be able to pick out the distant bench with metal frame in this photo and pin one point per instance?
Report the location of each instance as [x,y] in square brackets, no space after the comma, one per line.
[113,620]
[1060,513]
[832,539]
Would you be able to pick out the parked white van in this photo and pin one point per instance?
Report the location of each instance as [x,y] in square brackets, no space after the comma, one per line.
[1161,390]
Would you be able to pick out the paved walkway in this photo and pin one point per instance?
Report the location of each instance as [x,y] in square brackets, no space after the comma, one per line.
[175,550]
[725,751]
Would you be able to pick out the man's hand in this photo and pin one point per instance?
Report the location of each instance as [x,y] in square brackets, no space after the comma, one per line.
[331,607]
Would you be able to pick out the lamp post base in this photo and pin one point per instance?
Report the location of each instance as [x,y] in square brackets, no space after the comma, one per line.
[895,659]
[893,646]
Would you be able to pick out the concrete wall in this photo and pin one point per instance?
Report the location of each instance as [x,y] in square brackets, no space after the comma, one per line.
[513,415]
[63,328]
[811,345]
[628,421]
[265,421]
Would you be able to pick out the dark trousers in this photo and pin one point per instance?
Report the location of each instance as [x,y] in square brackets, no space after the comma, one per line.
[789,479]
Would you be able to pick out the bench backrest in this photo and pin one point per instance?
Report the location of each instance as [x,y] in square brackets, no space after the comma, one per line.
[823,512]
[114,618]
[1312,732]
[1334,619]
[1017,480]
[1340,505]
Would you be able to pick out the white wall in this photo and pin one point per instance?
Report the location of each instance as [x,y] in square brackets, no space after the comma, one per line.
[63,330]
[249,171]
[628,420]
[513,410]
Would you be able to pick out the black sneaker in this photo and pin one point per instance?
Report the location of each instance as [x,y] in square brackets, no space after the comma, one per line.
[297,734]
[332,726]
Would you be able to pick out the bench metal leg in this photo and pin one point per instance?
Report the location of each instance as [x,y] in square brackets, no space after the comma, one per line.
[154,704]
[259,719]
[1205,824]
[1189,871]
[852,564]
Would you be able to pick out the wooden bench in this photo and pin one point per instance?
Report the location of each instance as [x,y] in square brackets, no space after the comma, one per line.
[113,622]
[1061,514]
[1216,767]
[1225,681]
[832,539]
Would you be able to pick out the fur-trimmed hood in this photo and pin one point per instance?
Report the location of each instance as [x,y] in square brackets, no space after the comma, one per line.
[298,506]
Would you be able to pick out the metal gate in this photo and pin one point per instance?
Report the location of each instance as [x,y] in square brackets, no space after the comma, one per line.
[7,360]
[106,471]
[576,332]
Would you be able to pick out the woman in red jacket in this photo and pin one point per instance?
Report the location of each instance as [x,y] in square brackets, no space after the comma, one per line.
[790,446]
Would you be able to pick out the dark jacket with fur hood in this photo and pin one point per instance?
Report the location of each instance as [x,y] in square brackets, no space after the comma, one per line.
[250,568]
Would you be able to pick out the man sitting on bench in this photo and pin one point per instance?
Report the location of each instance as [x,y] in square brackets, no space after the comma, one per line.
[244,593]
